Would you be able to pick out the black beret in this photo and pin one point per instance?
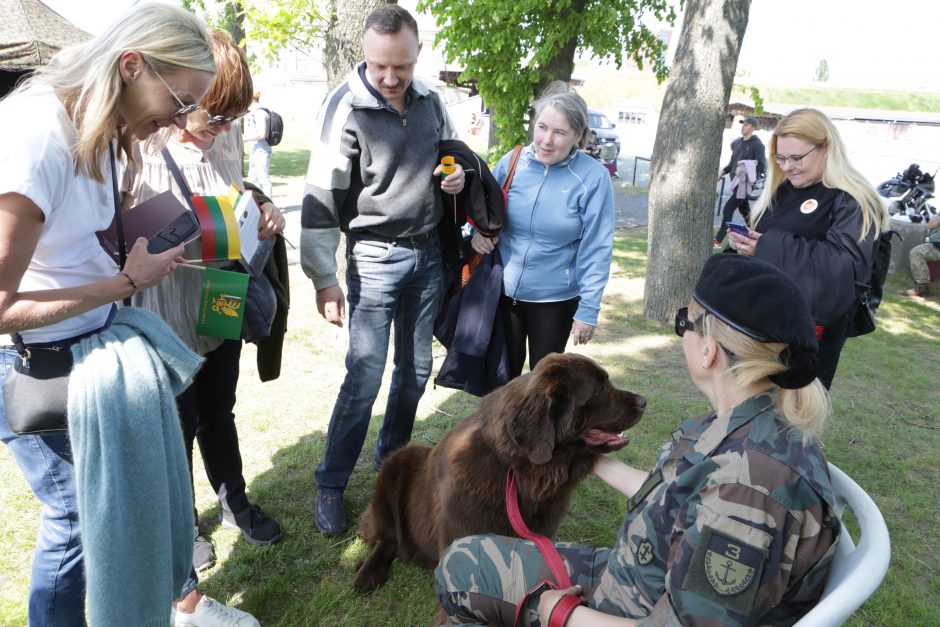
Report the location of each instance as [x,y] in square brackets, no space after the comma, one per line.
[761,302]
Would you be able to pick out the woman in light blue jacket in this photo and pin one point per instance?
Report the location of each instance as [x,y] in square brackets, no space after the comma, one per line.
[558,238]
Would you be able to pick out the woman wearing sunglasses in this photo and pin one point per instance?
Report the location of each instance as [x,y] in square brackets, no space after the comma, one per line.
[208,153]
[57,284]
[735,525]
[817,221]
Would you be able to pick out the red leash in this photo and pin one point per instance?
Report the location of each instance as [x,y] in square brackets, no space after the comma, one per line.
[563,609]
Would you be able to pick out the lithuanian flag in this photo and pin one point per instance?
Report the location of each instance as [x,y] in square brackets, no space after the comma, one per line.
[219,227]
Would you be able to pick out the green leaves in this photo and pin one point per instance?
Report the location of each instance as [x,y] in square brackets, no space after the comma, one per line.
[509,46]
[271,24]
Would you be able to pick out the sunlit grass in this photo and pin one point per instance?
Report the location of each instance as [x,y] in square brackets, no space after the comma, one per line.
[885,434]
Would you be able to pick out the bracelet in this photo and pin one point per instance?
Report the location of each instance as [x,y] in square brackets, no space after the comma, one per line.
[130,280]
[563,609]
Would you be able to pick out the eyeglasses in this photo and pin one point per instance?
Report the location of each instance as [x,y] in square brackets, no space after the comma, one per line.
[184,109]
[683,323]
[795,161]
[219,120]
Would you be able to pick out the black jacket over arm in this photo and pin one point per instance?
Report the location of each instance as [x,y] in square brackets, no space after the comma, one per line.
[817,246]
[481,201]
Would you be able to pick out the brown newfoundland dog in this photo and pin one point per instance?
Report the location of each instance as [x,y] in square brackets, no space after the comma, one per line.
[549,425]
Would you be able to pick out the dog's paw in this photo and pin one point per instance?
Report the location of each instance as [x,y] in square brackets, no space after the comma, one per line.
[369,579]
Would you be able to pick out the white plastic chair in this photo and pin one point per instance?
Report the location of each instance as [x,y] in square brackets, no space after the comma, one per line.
[856,571]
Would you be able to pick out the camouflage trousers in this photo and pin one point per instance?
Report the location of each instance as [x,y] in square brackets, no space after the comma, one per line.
[481,579]
[919,256]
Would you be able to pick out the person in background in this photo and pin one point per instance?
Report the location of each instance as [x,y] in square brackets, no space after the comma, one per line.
[591,148]
[208,153]
[372,174]
[748,147]
[256,131]
[920,255]
[817,222]
[558,239]
[735,525]
[146,71]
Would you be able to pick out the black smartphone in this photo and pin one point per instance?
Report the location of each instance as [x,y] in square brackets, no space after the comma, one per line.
[174,233]
[740,229]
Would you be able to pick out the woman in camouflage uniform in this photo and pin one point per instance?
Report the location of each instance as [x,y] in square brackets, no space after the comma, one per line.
[735,525]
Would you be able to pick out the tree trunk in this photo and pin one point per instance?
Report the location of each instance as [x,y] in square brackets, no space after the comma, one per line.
[342,42]
[561,66]
[685,160]
[235,20]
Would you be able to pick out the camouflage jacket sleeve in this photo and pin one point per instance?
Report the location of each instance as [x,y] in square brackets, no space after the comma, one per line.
[732,528]
[738,556]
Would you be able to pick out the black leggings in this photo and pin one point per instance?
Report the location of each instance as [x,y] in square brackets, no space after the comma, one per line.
[546,326]
[206,416]
[830,349]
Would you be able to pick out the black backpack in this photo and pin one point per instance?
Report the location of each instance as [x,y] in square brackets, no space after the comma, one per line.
[275,127]
[880,260]
[862,320]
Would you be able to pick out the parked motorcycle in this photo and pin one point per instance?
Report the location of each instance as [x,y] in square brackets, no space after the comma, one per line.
[908,193]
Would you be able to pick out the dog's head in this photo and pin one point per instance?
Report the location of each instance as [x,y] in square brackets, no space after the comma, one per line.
[567,400]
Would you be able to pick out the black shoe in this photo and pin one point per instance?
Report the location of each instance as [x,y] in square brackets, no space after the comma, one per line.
[255,525]
[203,553]
[330,517]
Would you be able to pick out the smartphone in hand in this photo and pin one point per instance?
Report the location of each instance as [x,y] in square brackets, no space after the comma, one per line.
[740,229]
[173,234]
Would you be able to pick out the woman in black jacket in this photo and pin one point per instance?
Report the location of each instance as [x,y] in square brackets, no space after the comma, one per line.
[817,221]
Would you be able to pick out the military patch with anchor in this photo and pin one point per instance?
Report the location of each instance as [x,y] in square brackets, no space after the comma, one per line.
[726,570]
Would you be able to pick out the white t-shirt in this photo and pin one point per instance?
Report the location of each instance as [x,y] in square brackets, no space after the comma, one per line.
[256,123]
[36,162]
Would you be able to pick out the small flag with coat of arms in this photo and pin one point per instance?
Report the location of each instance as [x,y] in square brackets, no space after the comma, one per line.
[222,304]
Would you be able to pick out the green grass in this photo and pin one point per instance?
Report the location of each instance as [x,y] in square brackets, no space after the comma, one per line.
[886,435]
[852,98]
[635,86]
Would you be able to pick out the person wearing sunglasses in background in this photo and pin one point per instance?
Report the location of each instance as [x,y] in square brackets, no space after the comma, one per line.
[57,284]
[817,222]
[735,525]
[208,152]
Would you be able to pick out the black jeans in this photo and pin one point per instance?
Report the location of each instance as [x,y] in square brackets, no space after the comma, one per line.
[205,410]
[546,326]
[727,213]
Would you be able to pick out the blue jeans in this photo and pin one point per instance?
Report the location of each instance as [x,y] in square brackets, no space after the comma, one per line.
[387,283]
[57,581]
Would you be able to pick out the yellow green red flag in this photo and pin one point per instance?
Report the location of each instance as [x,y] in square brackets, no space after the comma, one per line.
[219,227]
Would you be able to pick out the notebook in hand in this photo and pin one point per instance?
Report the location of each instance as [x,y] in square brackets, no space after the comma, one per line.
[163,220]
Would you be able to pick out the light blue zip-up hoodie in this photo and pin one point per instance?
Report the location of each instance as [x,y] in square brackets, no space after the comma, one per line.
[559,233]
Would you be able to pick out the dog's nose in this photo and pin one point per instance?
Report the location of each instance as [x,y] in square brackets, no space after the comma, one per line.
[641,402]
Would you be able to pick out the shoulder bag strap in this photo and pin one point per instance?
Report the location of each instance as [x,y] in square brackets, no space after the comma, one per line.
[516,151]
[118,218]
[178,177]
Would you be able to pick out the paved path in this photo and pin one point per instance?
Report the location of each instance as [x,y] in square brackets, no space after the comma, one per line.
[631,201]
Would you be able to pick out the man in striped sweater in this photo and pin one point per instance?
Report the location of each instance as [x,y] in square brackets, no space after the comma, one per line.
[374,176]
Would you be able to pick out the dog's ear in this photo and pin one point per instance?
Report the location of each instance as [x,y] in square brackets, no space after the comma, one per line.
[561,406]
[548,413]
[532,427]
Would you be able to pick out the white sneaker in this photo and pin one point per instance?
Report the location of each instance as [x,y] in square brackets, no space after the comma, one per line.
[211,613]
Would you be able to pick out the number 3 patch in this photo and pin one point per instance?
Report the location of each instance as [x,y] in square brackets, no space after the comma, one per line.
[725,570]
